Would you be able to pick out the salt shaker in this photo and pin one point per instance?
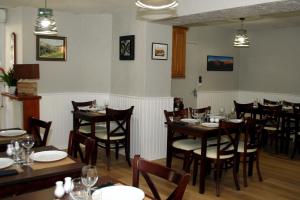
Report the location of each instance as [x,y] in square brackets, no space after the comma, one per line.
[68,186]
[59,189]
[9,150]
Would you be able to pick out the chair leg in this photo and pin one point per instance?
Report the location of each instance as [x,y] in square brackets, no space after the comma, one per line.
[258,167]
[195,169]
[108,159]
[217,177]
[235,175]
[127,154]
[245,169]
[117,150]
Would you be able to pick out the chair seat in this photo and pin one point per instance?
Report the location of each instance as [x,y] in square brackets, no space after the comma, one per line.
[270,128]
[87,129]
[241,148]
[187,144]
[103,136]
[211,152]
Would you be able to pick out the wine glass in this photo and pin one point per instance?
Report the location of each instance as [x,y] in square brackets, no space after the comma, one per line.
[16,151]
[89,177]
[195,114]
[27,143]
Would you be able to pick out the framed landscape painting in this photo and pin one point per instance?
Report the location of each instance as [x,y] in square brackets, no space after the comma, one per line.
[219,63]
[127,47]
[159,51]
[51,48]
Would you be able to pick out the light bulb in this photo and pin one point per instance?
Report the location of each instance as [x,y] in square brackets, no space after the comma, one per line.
[45,23]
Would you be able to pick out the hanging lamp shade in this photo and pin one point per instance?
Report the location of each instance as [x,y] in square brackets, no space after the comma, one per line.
[156,4]
[241,38]
[45,24]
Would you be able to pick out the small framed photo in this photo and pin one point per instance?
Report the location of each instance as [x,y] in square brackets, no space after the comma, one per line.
[51,48]
[159,51]
[127,47]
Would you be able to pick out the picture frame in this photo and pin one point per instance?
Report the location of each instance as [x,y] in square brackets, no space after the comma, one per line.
[219,63]
[13,49]
[51,48]
[159,51]
[126,46]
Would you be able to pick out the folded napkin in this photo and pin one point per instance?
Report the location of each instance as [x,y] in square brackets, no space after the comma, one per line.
[9,172]
[93,189]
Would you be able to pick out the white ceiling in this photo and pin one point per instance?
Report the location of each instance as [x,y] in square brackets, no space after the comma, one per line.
[274,15]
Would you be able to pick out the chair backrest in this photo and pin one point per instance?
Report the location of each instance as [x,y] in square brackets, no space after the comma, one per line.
[232,131]
[252,134]
[78,105]
[75,139]
[204,110]
[121,120]
[242,110]
[296,109]
[271,114]
[270,102]
[35,126]
[147,168]
[170,115]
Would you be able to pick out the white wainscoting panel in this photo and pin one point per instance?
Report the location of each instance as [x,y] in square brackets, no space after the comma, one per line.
[217,100]
[148,132]
[57,107]
[250,96]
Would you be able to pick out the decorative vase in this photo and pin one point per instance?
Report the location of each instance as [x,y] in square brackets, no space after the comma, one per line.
[12,89]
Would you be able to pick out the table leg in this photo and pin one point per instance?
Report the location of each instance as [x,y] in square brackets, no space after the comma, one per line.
[250,165]
[202,165]
[169,147]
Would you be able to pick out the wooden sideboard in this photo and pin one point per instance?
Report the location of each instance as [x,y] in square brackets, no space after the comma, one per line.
[31,106]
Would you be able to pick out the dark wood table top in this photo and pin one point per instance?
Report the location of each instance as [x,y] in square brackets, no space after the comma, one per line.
[91,116]
[30,178]
[48,194]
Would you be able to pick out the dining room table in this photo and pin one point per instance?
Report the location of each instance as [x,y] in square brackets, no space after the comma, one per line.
[39,174]
[48,193]
[6,139]
[194,130]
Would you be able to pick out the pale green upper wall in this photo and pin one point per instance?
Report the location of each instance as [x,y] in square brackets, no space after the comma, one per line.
[271,64]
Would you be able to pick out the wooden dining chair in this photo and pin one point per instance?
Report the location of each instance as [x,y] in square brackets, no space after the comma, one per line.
[243,110]
[82,125]
[223,153]
[147,168]
[272,126]
[270,102]
[117,134]
[76,142]
[296,145]
[200,111]
[249,147]
[40,130]
[182,147]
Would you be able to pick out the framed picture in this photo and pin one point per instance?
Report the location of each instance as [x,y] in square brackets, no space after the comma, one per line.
[13,49]
[219,63]
[51,48]
[159,51]
[127,47]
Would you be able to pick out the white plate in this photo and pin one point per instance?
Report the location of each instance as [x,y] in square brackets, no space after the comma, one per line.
[48,156]
[236,120]
[210,125]
[189,120]
[5,162]
[11,133]
[118,192]
[102,111]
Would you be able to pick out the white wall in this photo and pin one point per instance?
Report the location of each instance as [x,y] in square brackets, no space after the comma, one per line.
[88,50]
[203,41]
[271,64]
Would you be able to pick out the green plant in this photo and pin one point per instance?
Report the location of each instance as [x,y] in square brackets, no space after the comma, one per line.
[8,77]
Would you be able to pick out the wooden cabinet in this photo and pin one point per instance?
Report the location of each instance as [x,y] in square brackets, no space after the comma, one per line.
[178,52]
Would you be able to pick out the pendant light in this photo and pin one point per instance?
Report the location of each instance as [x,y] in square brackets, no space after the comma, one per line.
[156,5]
[45,24]
[241,38]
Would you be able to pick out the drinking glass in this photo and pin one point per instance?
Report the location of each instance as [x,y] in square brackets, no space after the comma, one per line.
[16,151]
[78,192]
[195,114]
[27,143]
[89,177]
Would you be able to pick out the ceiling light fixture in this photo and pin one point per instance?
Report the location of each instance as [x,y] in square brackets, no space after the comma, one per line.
[45,24]
[163,4]
[241,38]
